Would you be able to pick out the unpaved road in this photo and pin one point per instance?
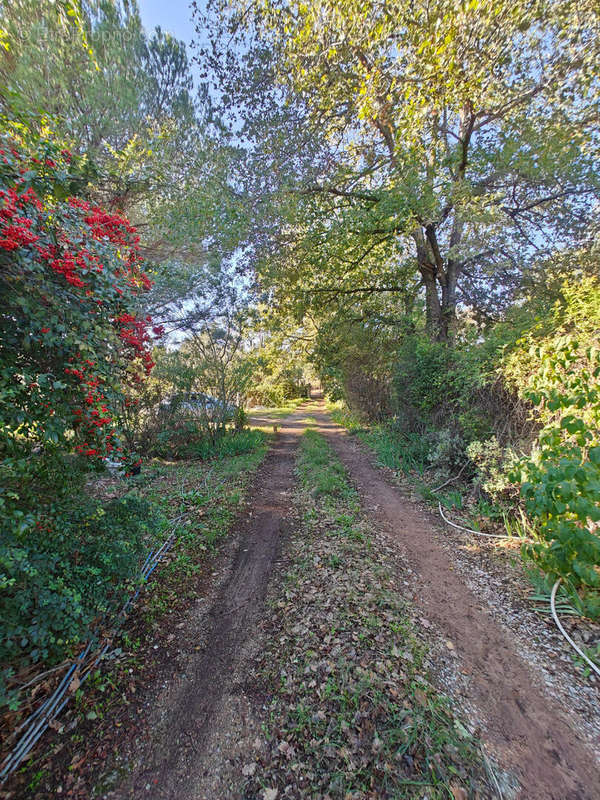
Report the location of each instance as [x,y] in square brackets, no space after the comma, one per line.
[523,728]
[201,720]
[184,717]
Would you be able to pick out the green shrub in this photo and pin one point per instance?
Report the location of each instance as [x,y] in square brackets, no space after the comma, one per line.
[399,450]
[179,439]
[447,450]
[240,418]
[560,375]
[562,490]
[341,414]
[494,464]
[435,380]
[267,393]
[71,346]
[59,578]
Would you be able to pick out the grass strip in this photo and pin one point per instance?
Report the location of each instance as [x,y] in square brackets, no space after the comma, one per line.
[352,712]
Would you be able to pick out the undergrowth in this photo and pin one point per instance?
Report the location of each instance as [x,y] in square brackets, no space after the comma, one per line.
[188,442]
[404,452]
[401,451]
[65,578]
[204,498]
[410,454]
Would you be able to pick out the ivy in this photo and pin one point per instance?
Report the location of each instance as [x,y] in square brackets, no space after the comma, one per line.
[560,375]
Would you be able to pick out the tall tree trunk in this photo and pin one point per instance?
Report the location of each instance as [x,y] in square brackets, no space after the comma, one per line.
[448,306]
[438,279]
[448,274]
[433,311]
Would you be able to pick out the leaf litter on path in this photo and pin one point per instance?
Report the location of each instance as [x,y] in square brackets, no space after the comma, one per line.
[351,712]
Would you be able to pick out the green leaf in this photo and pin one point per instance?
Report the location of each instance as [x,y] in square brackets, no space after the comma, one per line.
[594,455]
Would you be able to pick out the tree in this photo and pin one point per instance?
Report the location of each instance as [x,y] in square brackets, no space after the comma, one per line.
[124,100]
[105,84]
[221,368]
[277,352]
[461,137]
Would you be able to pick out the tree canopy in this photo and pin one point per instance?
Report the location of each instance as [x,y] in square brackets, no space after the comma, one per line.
[457,141]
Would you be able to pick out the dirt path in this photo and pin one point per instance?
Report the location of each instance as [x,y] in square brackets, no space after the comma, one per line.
[522,727]
[203,727]
[172,763]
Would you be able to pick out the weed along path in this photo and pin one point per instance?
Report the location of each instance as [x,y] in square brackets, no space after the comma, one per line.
[527,733]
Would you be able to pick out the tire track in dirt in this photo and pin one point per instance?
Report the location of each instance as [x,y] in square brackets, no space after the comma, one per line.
[525,729]
[168,766]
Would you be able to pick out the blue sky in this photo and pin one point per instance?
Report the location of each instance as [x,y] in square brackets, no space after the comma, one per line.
[174,16]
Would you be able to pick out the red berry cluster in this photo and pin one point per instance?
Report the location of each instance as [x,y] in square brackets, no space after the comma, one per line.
[134,332]
[15,226]
[117,230]
[92,421]
[90,262]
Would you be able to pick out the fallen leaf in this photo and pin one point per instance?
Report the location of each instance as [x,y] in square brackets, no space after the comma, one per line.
[285,747]
[249,769]
[458,793]
[421,697]
[270,794]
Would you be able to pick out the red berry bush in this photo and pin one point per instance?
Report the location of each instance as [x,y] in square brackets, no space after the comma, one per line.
[71,339]
[71,342]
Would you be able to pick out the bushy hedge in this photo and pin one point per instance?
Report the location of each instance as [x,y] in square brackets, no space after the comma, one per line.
[436,389]
[559,372]
[59,579]
[72,342]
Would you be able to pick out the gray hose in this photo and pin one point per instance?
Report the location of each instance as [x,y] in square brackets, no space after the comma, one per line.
[479,533]
[552,595]
[563,631]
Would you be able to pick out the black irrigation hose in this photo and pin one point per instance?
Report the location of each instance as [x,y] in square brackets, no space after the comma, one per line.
[37,723]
